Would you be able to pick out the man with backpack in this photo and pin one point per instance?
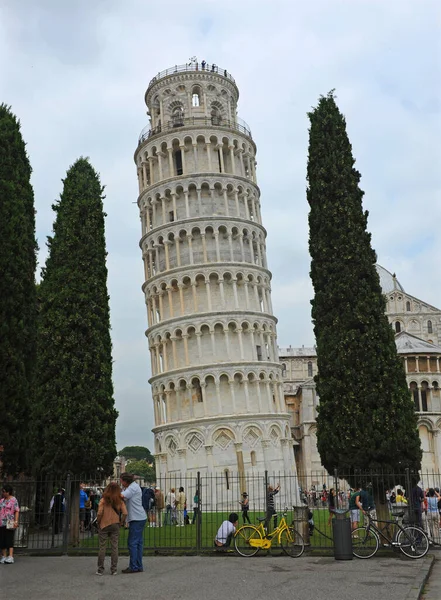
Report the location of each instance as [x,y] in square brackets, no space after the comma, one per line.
[136,520]
[148,502]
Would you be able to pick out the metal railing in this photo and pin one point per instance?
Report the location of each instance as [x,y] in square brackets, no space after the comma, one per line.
[198,66]
[237,125]
[50,523]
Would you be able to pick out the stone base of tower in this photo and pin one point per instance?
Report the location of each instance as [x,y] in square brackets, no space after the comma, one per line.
[232,454]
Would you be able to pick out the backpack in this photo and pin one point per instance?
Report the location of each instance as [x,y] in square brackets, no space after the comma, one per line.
[148,498]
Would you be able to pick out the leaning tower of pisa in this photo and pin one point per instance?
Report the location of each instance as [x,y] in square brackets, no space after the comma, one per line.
[216,379]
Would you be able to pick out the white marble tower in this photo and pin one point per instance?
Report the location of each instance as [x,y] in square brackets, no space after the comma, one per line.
[216,378]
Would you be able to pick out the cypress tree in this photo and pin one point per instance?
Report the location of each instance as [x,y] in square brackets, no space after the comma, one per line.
[366,417]
[75,415]
[17,294]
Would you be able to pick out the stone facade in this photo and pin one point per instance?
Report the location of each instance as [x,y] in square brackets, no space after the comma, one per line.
[216,378]
[418,330]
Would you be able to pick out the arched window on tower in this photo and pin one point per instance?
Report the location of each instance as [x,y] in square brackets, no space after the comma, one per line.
[178,160]
[253,458]
[196,96]
[397,327]
[429,327]
[309,369]
[415,395]
[216,118]
[408,306]
[197,390]
[283,370]
[178,117]
[424,396]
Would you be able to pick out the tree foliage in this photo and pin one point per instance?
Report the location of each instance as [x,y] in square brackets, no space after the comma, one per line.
[17,293]
[366,418]
[137,453]
[75,415]
[142,469]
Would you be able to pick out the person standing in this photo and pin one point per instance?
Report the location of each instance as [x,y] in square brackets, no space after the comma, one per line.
[83,499]
[58,511]
[331,504]
[355,506]
[271,506]
[170,501]
[136,519]
[432,514]
[159,506]
[112,513]
[9,513]
[196,511]
[245,503]
[416,505]
[180,506]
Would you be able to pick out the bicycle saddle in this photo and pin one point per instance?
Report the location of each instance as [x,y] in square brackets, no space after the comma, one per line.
[260,519]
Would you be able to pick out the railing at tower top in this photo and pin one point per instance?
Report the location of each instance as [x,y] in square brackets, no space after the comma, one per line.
[203,66]
[238,125]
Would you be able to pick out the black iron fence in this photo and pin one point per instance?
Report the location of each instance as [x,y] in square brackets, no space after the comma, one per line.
[51,520]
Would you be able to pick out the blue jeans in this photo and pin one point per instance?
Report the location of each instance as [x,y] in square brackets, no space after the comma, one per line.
[135,544]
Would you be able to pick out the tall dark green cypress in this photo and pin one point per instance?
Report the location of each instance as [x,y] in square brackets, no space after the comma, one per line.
[18,249]
[75,415]
[366,417]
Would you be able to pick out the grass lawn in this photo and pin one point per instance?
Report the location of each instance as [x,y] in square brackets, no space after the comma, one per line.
[172,537]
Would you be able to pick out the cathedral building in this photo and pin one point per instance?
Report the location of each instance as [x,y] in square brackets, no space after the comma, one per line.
[216,377]
[417,327]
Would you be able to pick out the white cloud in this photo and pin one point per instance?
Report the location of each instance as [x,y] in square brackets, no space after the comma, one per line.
[76,74]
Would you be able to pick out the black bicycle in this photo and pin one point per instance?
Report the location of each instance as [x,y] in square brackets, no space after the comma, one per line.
[411,540]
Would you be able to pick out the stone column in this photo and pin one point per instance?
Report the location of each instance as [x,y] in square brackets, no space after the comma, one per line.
[195,297]
[190,247]
[167,258]
[247,394]
[170,162]
[221,157]
[208,146]
[170,301]
[175,354]
[185,337]
[187,209]
[181,298]
[195,157]
[216,241]
[233,166]
[265,449]
[233,396]
[218,396]
[184,168]
[152,179]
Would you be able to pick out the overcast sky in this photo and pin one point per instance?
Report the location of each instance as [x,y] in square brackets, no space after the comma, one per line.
[75,73]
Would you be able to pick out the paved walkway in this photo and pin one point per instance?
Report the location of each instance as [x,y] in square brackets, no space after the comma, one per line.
[214,577]
[432,589]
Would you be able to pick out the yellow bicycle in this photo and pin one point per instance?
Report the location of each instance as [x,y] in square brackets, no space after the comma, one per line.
[249,539]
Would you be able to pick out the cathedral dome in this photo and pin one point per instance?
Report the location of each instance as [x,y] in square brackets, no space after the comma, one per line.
[388,282]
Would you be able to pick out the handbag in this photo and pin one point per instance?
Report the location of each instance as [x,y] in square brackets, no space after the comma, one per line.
[122,518]
[10,524]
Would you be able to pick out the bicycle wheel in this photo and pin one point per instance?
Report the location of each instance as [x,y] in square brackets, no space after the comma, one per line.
[242,540]
[413,542]
[365,542]
[292,542]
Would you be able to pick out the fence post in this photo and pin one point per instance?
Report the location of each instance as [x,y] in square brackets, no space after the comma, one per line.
[337,491]
[66,515]
[266,492]
[199,516]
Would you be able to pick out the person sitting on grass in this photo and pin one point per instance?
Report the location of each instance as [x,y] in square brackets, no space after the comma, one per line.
[226,531]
